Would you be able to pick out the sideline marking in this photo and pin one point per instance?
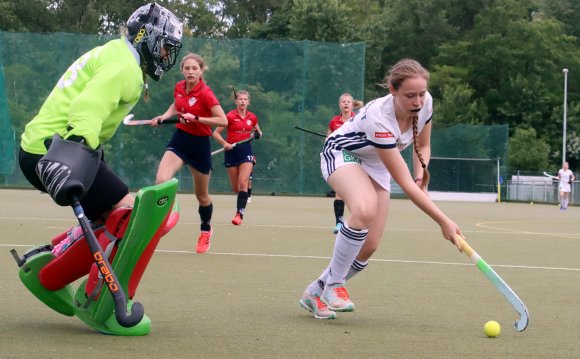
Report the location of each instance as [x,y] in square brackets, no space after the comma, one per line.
[491,225]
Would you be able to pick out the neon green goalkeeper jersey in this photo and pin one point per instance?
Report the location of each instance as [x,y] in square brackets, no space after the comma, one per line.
[91,99]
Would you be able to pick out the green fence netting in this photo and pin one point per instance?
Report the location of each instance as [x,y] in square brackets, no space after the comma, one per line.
[465,158]
[290,83]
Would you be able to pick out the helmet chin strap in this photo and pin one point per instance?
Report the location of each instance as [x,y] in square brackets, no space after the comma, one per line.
[152,69]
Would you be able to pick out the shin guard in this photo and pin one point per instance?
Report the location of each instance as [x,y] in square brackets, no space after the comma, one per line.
[153,215]
[115,228]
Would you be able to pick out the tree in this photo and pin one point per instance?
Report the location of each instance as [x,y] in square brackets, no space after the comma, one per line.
[404,28]
[247,16]
[457,106]
[527,152]
[315,20]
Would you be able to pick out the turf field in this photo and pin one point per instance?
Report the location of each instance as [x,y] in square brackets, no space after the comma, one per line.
[418,298]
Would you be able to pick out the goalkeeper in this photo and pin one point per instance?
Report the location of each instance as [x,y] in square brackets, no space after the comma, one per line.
[81,113]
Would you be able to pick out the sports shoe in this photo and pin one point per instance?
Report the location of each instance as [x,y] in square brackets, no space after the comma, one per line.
[314,305]
[62,242]
[249,200]
[203,243]
[337,228]
[237,219]
[336,298]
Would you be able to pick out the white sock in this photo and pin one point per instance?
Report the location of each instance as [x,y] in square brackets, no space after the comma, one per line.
[355,268]
[346,247]
[316,287]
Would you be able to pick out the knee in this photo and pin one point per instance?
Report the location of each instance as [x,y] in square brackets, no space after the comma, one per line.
[203,198]
[362,214]
[160,179]
[242,186]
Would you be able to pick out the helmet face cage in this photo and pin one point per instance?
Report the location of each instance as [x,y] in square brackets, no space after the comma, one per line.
[152,28]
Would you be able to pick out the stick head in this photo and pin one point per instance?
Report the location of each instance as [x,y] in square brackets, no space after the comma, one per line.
[128,118]
[522,323]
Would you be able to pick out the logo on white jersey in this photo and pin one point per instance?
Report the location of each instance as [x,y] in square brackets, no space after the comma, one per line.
[384,135]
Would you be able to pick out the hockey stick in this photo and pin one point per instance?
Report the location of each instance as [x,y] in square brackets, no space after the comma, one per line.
[522,323]
[220,150]
[312,132]
[552,177]
[124,318]
[128,120]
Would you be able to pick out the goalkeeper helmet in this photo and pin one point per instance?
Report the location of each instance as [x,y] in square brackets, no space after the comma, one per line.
[152,28]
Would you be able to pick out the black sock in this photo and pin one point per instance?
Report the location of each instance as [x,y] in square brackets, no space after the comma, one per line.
[249,192]
[242,201]
[338,210]
[205,216]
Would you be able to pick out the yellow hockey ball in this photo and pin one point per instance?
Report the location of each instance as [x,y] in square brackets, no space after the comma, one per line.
[492,329]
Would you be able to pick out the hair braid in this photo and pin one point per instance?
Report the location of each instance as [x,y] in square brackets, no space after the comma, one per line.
[425,180]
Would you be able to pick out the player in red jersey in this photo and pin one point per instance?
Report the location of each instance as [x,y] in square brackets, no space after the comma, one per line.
[198,110]
[347,105]
[239,159]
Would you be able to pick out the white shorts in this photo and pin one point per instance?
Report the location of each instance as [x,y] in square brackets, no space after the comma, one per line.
[330,160]
[564,187]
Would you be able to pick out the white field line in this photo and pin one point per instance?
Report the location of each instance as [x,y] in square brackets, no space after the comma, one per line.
[480,225]
[380,260]
[497,230]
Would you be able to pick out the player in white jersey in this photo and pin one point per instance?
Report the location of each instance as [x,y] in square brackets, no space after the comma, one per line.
[358,161]
[566,177]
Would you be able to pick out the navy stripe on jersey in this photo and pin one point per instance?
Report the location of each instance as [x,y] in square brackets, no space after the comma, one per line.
[385,146]
[349,141]
[329,159]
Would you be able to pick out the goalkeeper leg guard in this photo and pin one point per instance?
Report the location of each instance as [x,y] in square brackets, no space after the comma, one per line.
[115,228]
[154,214]
[31,263]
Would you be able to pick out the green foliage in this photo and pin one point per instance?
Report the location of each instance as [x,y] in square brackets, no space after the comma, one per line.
[491,61]
[319,20]
[527,152]
[281,97]
[458,107]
